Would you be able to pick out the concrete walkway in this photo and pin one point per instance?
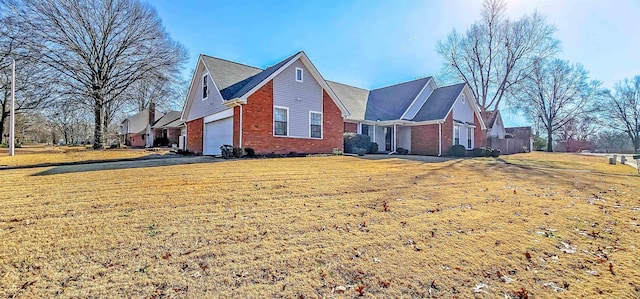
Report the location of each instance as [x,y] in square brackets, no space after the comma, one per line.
[630,161]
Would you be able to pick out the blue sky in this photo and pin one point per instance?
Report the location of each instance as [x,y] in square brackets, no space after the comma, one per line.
[373,43]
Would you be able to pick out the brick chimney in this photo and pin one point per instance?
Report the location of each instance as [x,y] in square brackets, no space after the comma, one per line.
[152,113]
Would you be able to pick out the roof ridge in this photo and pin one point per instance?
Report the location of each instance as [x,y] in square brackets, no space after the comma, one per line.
[347,85]
[235,62]
[452,85]
[396,84]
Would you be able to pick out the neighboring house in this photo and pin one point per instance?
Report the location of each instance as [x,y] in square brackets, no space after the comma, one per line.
[135,130]
[287,107]
[167,131]
[507,140]
[495,126]
[417,115]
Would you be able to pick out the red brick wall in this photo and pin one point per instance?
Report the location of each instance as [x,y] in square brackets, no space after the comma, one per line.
[424,139]
[350,127]
[257,126]
[478,135]
[136,140]
[236,126]
[173,135]
[194,136]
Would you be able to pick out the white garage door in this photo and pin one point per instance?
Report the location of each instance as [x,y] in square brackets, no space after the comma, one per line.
[216,134]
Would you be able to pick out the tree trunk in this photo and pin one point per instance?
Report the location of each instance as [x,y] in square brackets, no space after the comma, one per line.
[98,132]
[549,140]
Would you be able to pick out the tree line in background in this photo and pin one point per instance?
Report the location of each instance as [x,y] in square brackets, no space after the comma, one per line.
[83,64]
[512,64]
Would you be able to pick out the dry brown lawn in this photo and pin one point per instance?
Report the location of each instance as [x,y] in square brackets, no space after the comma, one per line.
[44,154]
[537,225]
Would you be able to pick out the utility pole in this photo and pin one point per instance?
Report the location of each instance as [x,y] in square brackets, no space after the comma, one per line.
[12,115]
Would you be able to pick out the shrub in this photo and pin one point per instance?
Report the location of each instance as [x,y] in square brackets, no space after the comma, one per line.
[458,150]
[402,151]
[360,151]
[495,153]
[353,141]
[336,152]
[250,151]
[237,152]
[373,148]
[227,151]
[479,151]
[161,141]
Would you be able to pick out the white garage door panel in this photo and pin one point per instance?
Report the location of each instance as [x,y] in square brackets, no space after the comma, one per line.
[216,134]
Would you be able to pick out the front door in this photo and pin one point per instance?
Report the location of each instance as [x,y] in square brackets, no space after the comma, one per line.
[388,135]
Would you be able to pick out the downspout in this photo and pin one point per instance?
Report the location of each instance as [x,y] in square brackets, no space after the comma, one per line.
[240,141]
[439,139]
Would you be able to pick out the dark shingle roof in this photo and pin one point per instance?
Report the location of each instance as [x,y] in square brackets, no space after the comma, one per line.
[354,98]
[227,75]
[489,118]
[255,80]
[235,79]
[389,103]
[168,118]
[439,103]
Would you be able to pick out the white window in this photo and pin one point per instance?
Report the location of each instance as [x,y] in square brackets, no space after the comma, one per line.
[315,124]
[456,135]
[299,74]
[280,121]
[205,88]
[462,98]
[469,137]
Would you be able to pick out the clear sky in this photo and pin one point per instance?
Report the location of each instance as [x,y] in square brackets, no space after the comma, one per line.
[373,43]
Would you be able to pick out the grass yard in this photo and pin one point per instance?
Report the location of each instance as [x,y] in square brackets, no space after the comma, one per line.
[537,225]
[44,154]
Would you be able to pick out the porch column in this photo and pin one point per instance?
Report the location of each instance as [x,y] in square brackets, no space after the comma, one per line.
[395,137]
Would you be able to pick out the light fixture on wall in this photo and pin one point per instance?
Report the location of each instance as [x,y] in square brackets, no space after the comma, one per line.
[299,99]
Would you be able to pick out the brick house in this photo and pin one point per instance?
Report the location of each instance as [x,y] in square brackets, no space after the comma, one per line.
[416,115]
[287,107]
[135,130]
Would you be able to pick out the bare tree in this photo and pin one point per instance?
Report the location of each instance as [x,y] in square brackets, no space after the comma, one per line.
[35,83]
[100,47]
[495,54]
[624,110]
[556,93]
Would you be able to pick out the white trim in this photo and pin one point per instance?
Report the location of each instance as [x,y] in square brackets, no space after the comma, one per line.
[312,70]
[301,75]
[321,125]
[416,99]
[218,116]
[240,129]
[439,139]
[473,104]
[273,121]
[205,79]
[189,100]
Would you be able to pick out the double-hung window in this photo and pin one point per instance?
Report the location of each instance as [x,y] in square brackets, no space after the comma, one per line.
[456,135]
[280,121]
[469,137]
[315,122]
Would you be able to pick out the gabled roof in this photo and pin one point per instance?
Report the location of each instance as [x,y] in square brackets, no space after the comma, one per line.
[167,119]
[439,103]
[489,117]
[245,86]
[229,76]
[390,103]
[354,98]
[138,122]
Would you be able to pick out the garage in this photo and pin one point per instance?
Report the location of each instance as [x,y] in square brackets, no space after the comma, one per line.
[216,134]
